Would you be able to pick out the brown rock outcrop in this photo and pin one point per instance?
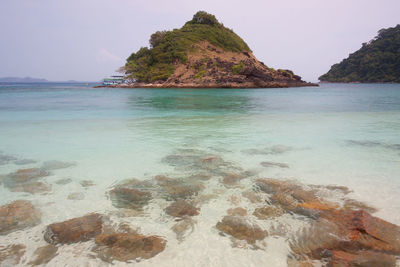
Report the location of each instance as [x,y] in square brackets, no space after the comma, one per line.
[124,197]
[231,179]
[11,255]
[31,187]
[25,175]
[18,215]
[175,189]
[181,208]
[364,231]
[268,212]
[74,230]
[44,255]
[340,235]
[209,66]
[268,164]
[241,229]
[183,228]
[128,246]
[237,211]
[26,180]
[362,258]
[55,165]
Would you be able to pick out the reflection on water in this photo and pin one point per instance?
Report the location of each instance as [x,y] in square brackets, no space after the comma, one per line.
[211,101]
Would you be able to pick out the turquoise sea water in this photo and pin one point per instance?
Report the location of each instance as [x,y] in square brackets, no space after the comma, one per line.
[343,134]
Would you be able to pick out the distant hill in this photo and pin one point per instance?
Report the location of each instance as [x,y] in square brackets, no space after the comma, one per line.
[376,61]
[22,80]
[36,80]
[202,54]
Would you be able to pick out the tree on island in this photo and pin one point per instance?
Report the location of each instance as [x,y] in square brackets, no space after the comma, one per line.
[376,61]
[202,54]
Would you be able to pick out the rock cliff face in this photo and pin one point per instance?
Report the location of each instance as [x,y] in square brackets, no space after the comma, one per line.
[202,54]
[212,67]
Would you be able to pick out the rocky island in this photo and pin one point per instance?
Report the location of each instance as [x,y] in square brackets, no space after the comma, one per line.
[202,54]
[377,61]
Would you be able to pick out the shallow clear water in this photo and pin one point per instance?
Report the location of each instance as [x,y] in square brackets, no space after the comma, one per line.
[344,134]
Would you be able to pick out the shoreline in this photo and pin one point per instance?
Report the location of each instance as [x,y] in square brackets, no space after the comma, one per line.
[356,82]
[214,86]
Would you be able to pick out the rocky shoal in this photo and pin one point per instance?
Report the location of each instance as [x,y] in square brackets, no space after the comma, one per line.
[335,231]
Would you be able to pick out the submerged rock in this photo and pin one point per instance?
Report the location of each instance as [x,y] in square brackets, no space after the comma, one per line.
[365,143]
[128,246]
[268,212]
[370,144]
[189,159]
[362,258]
[132,194]
[255,151]
[183,228]
[44,255]
[365,230]
[181,160]
[279,149]
[5,159]
[272,186]
[55,165]
[18,215]
[344,189]
[231,179]
[75,230]
[237,211]
[11,255]
[290,196]
[87,183]
[25,175]
[273,150]
[26,180]
[129,198]
[241,229]
[341,235]
[181,208]
[354,232]
[274,164]
[200,176]
[286,201]
[64,181]
[76,196]
[31,187]
[312,241]
[352,204]
[198,161]
[175,189]
[291,262]
[252,196]
[293,197]
[24,161]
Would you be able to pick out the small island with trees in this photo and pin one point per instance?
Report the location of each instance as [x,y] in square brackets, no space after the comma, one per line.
[202,54]
[377,61]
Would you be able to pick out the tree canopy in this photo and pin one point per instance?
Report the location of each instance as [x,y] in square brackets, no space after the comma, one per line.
[376,61]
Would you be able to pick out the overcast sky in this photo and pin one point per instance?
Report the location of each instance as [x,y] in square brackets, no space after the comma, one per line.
[89,39]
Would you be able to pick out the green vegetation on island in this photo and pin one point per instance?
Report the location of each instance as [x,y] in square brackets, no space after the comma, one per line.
[376,61]
[170,47]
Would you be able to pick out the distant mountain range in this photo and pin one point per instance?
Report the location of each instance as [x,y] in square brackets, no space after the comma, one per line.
[22,80]
[32,80]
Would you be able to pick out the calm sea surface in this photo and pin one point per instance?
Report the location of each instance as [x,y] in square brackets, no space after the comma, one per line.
[342,134]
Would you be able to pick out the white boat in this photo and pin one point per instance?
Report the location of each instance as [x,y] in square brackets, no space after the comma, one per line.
[113,80]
